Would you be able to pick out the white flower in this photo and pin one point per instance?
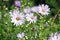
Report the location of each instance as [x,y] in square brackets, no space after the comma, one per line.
[55,36]
[17,19]
[20,35]
[27,10]
[30,17]
[15,11]
[44,9]
[34,9]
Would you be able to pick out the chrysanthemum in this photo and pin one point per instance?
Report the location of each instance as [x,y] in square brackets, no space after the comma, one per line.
[21,35]
[44,9]
[30,17]
[17,19]
[35,9]
[55,36]
[27,10]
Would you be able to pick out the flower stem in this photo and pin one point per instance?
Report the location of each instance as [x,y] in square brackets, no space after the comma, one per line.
[56,16]
[27,25]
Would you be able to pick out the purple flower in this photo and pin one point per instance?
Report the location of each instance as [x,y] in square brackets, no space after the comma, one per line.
[44,9]
[55,36]
[18,3]
[34,28]
[21,35]
[27,10]
[35,9]
[47,24]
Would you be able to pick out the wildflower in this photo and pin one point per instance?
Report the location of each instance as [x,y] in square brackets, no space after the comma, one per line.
[34,9]
[27,10]
[47,24]
[44,9]
[34,28]
[21,35]
[17,3]
[30,17]
[55,36]
[17,19]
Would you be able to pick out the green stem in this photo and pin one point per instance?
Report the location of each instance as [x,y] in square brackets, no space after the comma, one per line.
[27,25]
[56,16]
[38,14]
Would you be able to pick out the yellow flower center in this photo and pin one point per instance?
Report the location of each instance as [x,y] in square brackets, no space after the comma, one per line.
[18,18]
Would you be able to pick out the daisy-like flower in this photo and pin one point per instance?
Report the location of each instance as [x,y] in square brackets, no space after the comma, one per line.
[34,9]
[21,35]
[27,10]
[17,19]
[44,9]
[30,17]
[55,36]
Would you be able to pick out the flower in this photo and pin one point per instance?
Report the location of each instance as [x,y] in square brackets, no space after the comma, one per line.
[55,36]
[44,9]
[34,28]
[27,10]
[35,9]
[17,19]
[30,17]
[21,35]
[46,24]
[17,3]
